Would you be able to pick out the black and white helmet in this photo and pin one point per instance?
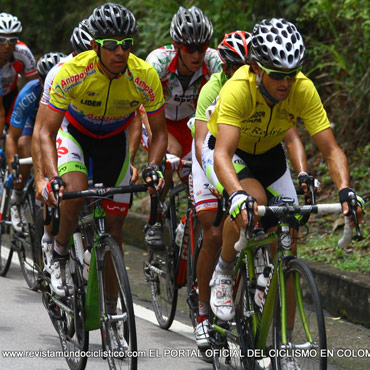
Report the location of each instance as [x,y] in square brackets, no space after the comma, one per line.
[112,20]
[9,24]
[81,37]
[47,62]
[233,49]
[277,43]
[191,26]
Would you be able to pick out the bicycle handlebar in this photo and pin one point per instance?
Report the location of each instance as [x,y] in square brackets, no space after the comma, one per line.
[99,191]
[308,209]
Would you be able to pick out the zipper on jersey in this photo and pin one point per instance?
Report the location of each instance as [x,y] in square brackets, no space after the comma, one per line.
[267,128]
[106,103]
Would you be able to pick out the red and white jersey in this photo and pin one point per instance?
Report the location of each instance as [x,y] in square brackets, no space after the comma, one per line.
[22,62]
[181,104]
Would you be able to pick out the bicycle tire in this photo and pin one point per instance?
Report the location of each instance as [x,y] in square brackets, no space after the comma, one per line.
[191,280]
[306,288]
[123,332]
[29,259]
[73,337]
[6,250]
[160,273]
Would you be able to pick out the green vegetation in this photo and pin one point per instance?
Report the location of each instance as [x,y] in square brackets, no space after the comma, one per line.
[337,38]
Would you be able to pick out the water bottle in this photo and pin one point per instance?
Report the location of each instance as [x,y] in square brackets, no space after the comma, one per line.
[259,295]
[87,260]
[180,232]
[262,281]
[259,259]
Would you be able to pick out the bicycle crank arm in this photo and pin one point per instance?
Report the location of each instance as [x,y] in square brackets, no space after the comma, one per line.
[115,318]
[304,346]
[65,308]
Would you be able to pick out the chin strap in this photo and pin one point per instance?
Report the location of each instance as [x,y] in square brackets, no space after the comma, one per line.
[100,60]
[264,92]
[180,56]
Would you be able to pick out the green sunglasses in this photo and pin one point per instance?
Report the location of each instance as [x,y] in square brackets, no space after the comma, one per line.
[280,75]
[112,44]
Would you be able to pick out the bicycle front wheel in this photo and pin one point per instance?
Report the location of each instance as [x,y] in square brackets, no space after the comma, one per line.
[118,319]
[306,336]
[29,254]
[6,251]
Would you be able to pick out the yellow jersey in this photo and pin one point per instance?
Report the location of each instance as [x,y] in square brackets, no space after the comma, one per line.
[101,107]
[263,127]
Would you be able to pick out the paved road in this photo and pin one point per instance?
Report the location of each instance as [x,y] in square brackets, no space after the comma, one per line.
[25,326]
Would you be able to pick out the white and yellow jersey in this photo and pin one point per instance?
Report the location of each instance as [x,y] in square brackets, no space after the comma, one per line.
[101,107]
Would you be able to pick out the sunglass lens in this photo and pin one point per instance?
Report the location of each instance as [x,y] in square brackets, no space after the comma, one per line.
[110,45]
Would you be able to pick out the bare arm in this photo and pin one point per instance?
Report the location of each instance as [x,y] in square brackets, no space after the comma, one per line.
[296,152]
[159,141]
[11,146]
[134,136]
[337,164]
[38,165]
[226,144]
[200,133]
[335,159]
[48,151]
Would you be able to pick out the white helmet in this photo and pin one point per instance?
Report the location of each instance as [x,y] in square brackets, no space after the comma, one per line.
[277,43]
[9,24]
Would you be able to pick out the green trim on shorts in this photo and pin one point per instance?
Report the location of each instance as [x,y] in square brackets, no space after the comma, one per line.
[273,192]
[72,167]
[69,136]
[123,172]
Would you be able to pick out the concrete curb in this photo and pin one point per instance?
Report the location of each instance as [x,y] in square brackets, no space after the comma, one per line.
[343,293]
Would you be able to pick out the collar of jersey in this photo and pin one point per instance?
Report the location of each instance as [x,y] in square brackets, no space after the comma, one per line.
[103,73]
[172,67]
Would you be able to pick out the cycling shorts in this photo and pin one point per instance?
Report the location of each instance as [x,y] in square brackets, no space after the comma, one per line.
[181,132]
[270,169]
[203,198]
[110,161]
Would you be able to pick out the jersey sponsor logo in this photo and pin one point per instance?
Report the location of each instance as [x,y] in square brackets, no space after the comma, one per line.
[143,87]
[185,98]
[91,103]
[61,150]
[73,80]
[116,208]
[92,93]
[124,104]
[260,132]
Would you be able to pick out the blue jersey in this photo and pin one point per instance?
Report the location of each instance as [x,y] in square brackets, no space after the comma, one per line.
[26,106]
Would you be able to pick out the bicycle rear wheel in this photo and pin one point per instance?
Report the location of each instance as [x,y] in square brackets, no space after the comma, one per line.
[6,251]
[308,337]
[191,280]
[160,273]
[29,255]
[118,324]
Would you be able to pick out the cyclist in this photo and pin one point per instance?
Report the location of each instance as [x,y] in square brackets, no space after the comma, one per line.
[98,92]
[15,58]
[233,52]
[254,111]
[80,41]
[18,139]
[183,68]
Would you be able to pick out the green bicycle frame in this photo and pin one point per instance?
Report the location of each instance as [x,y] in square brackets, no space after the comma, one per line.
[92,309]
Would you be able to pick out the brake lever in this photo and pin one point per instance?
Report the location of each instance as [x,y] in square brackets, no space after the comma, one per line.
[15,167]
[250,214]
[353,208]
